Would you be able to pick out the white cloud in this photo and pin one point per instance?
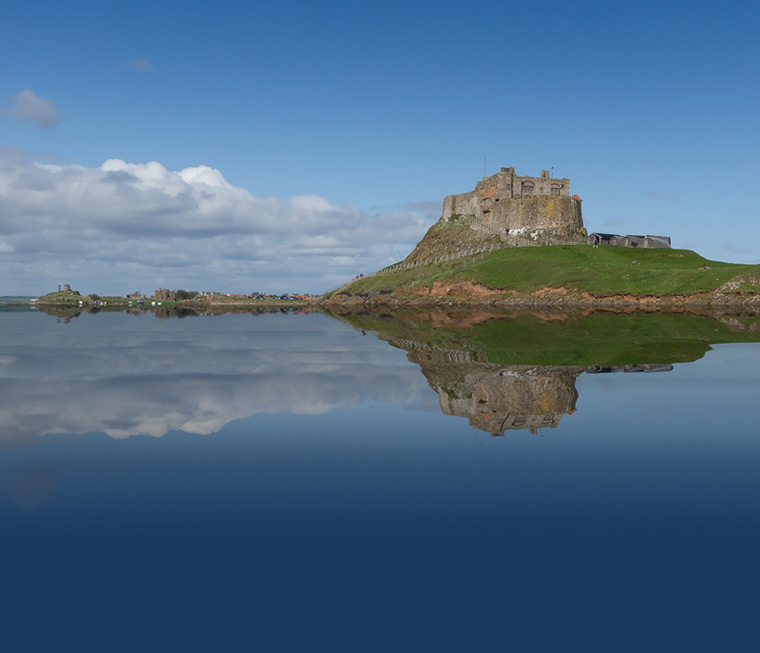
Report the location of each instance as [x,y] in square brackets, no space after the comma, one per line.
[5,248]
[30,107]
[123,225]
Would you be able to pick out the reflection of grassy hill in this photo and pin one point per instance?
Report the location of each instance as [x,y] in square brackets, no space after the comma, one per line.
[601,272]
[63,311]
[596,339]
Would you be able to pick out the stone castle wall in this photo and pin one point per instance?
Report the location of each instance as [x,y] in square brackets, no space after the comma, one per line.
[459,205]
[515,207]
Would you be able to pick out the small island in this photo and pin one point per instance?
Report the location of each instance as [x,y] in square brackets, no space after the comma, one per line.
[520,242]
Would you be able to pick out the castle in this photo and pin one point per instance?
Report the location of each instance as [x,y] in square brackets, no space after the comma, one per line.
[533,211]
[521,210]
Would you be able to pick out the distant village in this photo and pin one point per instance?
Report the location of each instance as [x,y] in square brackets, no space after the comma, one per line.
[163,296]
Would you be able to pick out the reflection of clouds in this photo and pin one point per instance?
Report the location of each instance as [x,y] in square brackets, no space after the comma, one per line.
[194,375]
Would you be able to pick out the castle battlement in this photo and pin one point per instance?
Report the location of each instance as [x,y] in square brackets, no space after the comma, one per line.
[507,185]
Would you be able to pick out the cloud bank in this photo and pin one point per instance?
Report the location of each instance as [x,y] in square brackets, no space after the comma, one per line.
[122,226]
[27,106]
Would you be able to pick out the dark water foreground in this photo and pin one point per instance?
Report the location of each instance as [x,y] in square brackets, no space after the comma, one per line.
[440,481]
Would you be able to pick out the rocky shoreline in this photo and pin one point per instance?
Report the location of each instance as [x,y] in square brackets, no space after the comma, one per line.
[546,299]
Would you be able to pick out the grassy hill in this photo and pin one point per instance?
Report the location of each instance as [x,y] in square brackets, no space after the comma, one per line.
[600,272]
[61,297]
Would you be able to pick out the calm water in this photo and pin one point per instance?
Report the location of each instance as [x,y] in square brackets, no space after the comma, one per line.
[381,487]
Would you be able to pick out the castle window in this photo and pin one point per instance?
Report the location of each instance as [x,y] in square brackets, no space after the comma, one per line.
[527,188]
[554,190]
[508,187]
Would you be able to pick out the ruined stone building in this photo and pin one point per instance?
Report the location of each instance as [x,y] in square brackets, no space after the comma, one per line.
[521,210]
[164,295]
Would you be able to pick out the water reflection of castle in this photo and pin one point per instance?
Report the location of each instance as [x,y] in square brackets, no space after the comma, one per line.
[499,398]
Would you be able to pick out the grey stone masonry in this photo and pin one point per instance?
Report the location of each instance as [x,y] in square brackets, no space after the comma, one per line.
[536,209]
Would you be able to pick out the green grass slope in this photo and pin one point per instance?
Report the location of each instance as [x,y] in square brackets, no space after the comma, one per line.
[601,272]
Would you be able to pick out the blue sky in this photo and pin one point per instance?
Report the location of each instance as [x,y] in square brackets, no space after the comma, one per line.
[321,138]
